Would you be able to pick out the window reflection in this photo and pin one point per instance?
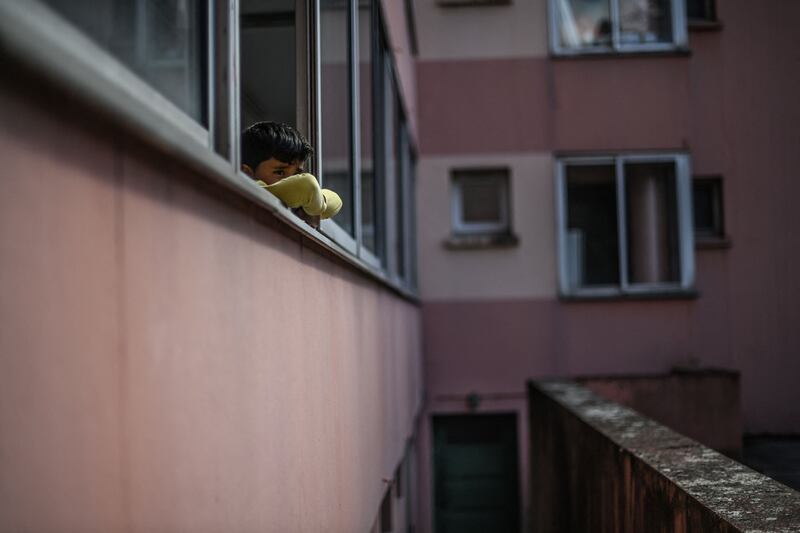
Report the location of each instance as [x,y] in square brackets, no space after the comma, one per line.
[645,21]
[335,112]
[365,74]
[163,41]
[268,58]
[584,23]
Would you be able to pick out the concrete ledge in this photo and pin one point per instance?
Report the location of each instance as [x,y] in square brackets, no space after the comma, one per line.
[598,466]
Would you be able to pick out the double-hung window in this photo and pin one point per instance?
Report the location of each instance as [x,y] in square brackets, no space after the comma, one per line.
[617,26]
[625,225]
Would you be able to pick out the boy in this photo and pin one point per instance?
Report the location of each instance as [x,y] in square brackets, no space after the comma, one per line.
[273,154]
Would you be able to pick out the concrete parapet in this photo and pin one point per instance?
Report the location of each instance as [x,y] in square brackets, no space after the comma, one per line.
[597,466]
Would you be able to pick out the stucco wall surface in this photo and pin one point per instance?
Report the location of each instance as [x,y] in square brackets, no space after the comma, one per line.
[172,359]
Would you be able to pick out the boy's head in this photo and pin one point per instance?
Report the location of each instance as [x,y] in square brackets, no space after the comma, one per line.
[273,151]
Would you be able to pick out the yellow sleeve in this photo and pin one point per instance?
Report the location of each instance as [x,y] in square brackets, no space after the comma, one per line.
[333,203]
[300,190]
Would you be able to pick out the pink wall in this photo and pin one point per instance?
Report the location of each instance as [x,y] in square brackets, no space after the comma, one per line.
[171,358]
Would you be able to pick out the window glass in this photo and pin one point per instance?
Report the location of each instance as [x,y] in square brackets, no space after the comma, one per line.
[645,21]
[707,198]
[702,10]
[401,205]
[365,76]
[335,112]
[481,201]
[268,59]
[163,41]
[584,23]
[592,236]
[652,223]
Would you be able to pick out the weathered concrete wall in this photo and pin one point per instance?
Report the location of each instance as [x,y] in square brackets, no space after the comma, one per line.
[597,466]
[703,404]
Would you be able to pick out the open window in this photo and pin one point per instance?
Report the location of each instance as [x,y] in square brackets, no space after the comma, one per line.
[625,225]
[480,208]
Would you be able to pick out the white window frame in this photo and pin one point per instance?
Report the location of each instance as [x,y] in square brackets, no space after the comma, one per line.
[683,188]
[680,39]
[464,228]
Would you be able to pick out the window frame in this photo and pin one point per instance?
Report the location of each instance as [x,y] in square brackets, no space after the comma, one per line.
[685,250]
[460,228]
[679,43]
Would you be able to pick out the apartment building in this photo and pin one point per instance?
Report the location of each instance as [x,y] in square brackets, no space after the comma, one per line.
[178,350]
[605,188]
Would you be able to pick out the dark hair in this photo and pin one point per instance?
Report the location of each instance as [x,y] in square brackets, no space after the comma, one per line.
[265,140]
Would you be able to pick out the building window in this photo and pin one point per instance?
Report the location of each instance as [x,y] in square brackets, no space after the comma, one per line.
[709,222]
[165,42]
[701,11]
[480,202]
[603,26]
[625,225]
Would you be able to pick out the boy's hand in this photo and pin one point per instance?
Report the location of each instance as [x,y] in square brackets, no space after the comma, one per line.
[311,220]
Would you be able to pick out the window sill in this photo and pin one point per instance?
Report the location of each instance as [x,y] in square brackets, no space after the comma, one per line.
[712,243]
[690,294]
[620,54]
[480,242]
[61,60]
[705,25]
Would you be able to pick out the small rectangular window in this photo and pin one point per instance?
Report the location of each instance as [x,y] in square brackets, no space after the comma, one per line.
[708,213]
[163,41]
[625,225]
[480,202]
[590,26]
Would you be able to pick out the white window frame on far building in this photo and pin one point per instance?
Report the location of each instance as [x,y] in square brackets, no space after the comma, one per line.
[685,229]
[462,227]
[617,45]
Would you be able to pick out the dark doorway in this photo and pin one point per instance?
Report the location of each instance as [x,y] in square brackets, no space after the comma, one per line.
[476,474]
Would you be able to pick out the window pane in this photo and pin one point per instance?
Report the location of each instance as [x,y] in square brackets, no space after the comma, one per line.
[365,74]
[652,220]
[400,194]
[335,113]
[163,41]
[584,23]
[592,237]
[707,198]
[268,59]
[700,10]
[482,197]
[645,21]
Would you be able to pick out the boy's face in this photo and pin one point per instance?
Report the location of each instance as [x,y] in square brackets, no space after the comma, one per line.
[271,170]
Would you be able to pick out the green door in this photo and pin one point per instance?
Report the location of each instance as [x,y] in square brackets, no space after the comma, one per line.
[476,474]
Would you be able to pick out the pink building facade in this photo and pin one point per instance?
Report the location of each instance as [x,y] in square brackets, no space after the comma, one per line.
[522,90]
[179,351]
